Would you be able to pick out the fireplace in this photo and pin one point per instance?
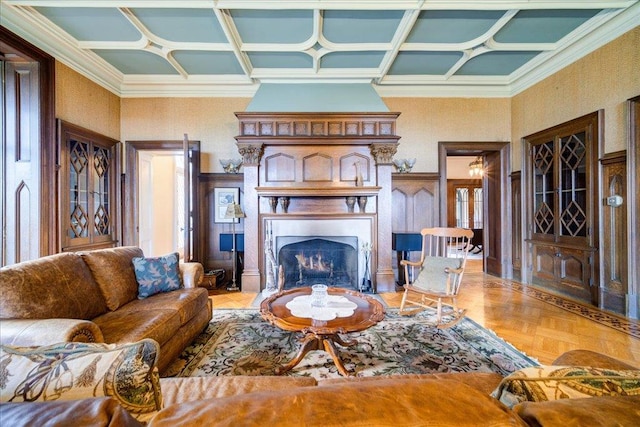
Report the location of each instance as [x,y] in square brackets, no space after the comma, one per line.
[331,261]
[325,180]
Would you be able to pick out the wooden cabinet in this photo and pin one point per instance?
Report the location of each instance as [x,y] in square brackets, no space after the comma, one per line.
[89,188]
[562,207]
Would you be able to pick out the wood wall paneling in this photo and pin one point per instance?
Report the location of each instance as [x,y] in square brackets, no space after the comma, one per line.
[416,205]
[613,252]
[516,224]
[207,242]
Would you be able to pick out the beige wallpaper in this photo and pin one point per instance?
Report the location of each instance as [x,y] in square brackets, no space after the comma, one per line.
[208,120]
[424,122]
[604,79]
[86,104]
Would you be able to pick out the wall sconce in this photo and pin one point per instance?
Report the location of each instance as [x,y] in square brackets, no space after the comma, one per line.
[231,165]
[404,165]
[476,167]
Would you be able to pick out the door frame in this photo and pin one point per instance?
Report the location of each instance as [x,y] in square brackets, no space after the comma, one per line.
[131,212]
[502,164]
[49,242]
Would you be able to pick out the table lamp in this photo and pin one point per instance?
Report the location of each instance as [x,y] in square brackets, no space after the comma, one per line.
[234,212]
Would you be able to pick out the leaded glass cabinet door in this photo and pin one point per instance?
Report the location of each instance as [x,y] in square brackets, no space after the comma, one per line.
[562,195]
[89,192]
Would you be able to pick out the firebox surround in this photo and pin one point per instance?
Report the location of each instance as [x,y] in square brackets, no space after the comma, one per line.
[318,168]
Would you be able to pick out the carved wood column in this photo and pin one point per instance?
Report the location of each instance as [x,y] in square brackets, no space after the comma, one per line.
[251,155]
[383,156]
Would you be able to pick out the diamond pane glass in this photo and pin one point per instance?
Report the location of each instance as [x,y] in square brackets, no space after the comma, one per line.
[78,189]
[543,188]
[101,162]
[573,180]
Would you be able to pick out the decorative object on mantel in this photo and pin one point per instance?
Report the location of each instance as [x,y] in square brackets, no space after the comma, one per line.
[366,277]
[404,165]
[476,167]
[359,179]
[231,165]
[234,211]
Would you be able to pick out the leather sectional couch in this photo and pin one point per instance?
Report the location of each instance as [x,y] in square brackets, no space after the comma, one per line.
[458,399]
[92,296]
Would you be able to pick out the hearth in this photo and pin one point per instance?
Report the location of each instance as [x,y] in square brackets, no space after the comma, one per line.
[328,260]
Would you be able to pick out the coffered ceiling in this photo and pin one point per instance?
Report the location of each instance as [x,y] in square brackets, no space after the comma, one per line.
[404,48]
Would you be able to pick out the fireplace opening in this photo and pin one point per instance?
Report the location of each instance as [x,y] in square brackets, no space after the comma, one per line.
[331,261]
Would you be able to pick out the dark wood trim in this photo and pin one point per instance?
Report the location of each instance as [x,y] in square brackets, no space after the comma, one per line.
[48,154]
[633,206]
[497,158]
[517,242]
[130,196]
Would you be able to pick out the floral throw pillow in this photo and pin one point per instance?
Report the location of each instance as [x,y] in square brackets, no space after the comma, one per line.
[72,370]
[156,275]
[544,383]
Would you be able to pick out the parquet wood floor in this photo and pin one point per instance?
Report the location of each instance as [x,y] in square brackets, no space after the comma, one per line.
[541,327]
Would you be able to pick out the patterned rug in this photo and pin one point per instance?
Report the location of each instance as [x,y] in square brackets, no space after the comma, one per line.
[240,342]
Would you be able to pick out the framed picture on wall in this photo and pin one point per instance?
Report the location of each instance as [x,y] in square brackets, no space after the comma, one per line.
[224,197]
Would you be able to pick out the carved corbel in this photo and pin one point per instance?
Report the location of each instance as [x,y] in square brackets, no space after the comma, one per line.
[383,153]
[251,153]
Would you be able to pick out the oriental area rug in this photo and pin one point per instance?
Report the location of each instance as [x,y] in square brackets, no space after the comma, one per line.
[240,342]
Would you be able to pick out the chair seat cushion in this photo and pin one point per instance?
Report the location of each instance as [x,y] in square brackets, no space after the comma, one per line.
[433,274]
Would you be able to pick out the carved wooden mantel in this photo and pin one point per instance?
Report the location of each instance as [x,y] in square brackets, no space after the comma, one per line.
[316,166]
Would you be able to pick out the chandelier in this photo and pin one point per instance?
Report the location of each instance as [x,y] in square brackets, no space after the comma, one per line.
[475,167]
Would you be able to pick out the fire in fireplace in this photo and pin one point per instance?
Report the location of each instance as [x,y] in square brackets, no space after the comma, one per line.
[332,261]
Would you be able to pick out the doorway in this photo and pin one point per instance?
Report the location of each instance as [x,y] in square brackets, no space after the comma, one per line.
[160,216]
[495,193]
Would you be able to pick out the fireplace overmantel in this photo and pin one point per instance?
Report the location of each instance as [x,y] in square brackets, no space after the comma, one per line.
[316,166]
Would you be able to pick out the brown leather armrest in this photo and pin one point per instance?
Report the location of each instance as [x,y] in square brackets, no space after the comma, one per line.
[39,332]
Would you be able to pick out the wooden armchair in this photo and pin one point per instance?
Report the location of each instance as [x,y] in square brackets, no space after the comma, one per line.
[440,270]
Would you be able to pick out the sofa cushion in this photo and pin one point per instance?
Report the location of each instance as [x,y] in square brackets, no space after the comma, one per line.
[392,402]
[55,286]
[187,302]
[113,271]
[69,371]
[187,389]
[589,411]
[128,325]
[97,412]
[157,274]
[544,383]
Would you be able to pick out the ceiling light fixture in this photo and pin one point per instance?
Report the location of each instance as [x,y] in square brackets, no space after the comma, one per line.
[476,167]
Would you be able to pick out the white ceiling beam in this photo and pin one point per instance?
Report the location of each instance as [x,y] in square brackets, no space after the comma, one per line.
[402,32]
[337,4]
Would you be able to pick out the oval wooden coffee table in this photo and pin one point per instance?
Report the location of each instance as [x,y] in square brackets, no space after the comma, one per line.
[321,334]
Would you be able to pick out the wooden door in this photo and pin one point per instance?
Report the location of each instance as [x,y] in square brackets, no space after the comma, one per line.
[494,221]
[21,169]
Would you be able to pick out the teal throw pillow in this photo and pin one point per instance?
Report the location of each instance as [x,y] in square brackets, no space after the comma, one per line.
[157,274]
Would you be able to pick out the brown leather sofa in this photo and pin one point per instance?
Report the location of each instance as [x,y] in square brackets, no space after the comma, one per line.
[458,399]
[92,296]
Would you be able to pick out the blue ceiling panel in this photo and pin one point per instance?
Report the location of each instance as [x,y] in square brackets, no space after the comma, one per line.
[273,26]
[280,60]
[452,26]
[204,62]
[182,25]
[136,62]
[352,60]
[430,63]
[542,26]
[495,63]
[92,23]
[362,26]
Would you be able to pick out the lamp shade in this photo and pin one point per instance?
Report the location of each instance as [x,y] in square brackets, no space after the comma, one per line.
[234,211]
